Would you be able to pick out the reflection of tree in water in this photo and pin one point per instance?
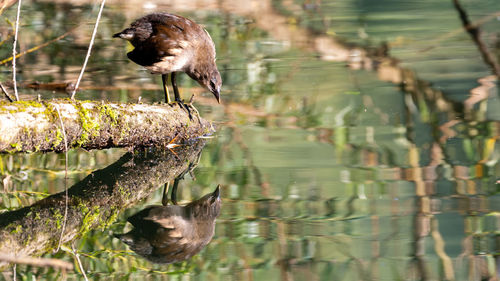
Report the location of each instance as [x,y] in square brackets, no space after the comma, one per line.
[172,233]
[94,202]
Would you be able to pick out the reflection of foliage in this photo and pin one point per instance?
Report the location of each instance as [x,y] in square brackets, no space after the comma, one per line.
[309,117]
[31,177]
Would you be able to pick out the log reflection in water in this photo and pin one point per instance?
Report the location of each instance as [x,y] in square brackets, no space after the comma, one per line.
[93,202]
[168,234]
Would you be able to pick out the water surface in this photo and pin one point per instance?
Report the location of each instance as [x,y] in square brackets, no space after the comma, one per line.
[332,165]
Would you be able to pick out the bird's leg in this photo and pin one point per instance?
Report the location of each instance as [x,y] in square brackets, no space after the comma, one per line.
[164,78]
[178,96]
[174,190]
[176,90]
[164,198]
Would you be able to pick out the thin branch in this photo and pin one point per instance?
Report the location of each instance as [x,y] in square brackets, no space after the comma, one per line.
[14,50]
[77,256]
[4,61]
[89,50]
[38,262]
[439,248]
[475,33]
[434,42]
[5,93]
[6,38]
[65,178]
[6,4]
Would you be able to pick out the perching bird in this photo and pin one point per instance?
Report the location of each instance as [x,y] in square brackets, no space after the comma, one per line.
[168,234]
[166,43]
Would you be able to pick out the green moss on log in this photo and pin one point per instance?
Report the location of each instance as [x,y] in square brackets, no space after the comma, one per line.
[90,127]
[94,125]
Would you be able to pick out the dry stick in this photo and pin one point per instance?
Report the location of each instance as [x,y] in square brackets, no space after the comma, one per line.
[65,178]
[439,248]
[89,50]
[5,4]
[38,262]
[475,33]
[4,61]
[77,256]
[455,32]
[14,50]
[5,93]
[6,38]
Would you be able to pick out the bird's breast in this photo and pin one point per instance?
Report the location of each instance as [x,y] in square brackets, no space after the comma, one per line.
[169,64]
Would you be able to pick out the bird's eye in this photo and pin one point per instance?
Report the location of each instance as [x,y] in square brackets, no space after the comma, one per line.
[212,84]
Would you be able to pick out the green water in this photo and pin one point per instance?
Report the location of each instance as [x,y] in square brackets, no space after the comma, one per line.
[328,171]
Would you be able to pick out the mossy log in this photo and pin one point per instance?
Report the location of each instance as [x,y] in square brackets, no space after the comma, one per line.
[36,126]
[94,202]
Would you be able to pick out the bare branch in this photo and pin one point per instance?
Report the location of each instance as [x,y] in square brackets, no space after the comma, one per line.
[77,256]
[39,262]
[65,180]
[4,61]
[5,93]
[6,4]
[14,50]
[89,50]
[475,33]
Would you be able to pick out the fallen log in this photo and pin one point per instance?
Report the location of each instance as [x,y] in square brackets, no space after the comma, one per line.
[30,126]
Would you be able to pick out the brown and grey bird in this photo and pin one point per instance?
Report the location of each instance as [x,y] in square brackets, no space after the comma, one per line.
[168,234]
[166,44]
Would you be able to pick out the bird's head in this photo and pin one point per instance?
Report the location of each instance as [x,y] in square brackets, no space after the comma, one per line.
[126,34]
[206,208]
[136,34]
[212,82]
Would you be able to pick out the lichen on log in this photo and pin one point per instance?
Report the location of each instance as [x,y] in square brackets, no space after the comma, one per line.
[29,126]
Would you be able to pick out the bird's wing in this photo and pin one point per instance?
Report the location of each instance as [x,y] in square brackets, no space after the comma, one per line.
[173,231]
[168,40]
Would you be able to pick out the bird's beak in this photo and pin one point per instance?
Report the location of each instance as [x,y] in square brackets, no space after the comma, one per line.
[124,35]
[216,193]
[217,94]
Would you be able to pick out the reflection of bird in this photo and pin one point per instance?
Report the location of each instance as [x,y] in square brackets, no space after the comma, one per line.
[166,43]
[167,234]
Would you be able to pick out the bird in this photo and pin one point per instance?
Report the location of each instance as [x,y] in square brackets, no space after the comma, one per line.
[167,44]
[173,233]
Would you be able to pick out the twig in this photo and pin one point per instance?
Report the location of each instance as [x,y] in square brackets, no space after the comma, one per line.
[14,272]
[65,178]
[5,4]
[39,262]
[455,32]
[6,38]
[77,256]
[439,246]
[5,93]
[4,61]
[89,50]
[475,33]
[14,50]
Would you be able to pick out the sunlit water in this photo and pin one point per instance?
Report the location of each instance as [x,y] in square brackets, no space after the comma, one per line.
[327,172]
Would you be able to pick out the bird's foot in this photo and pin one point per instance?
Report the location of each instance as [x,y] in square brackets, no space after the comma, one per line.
[190,104]
[188,107]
